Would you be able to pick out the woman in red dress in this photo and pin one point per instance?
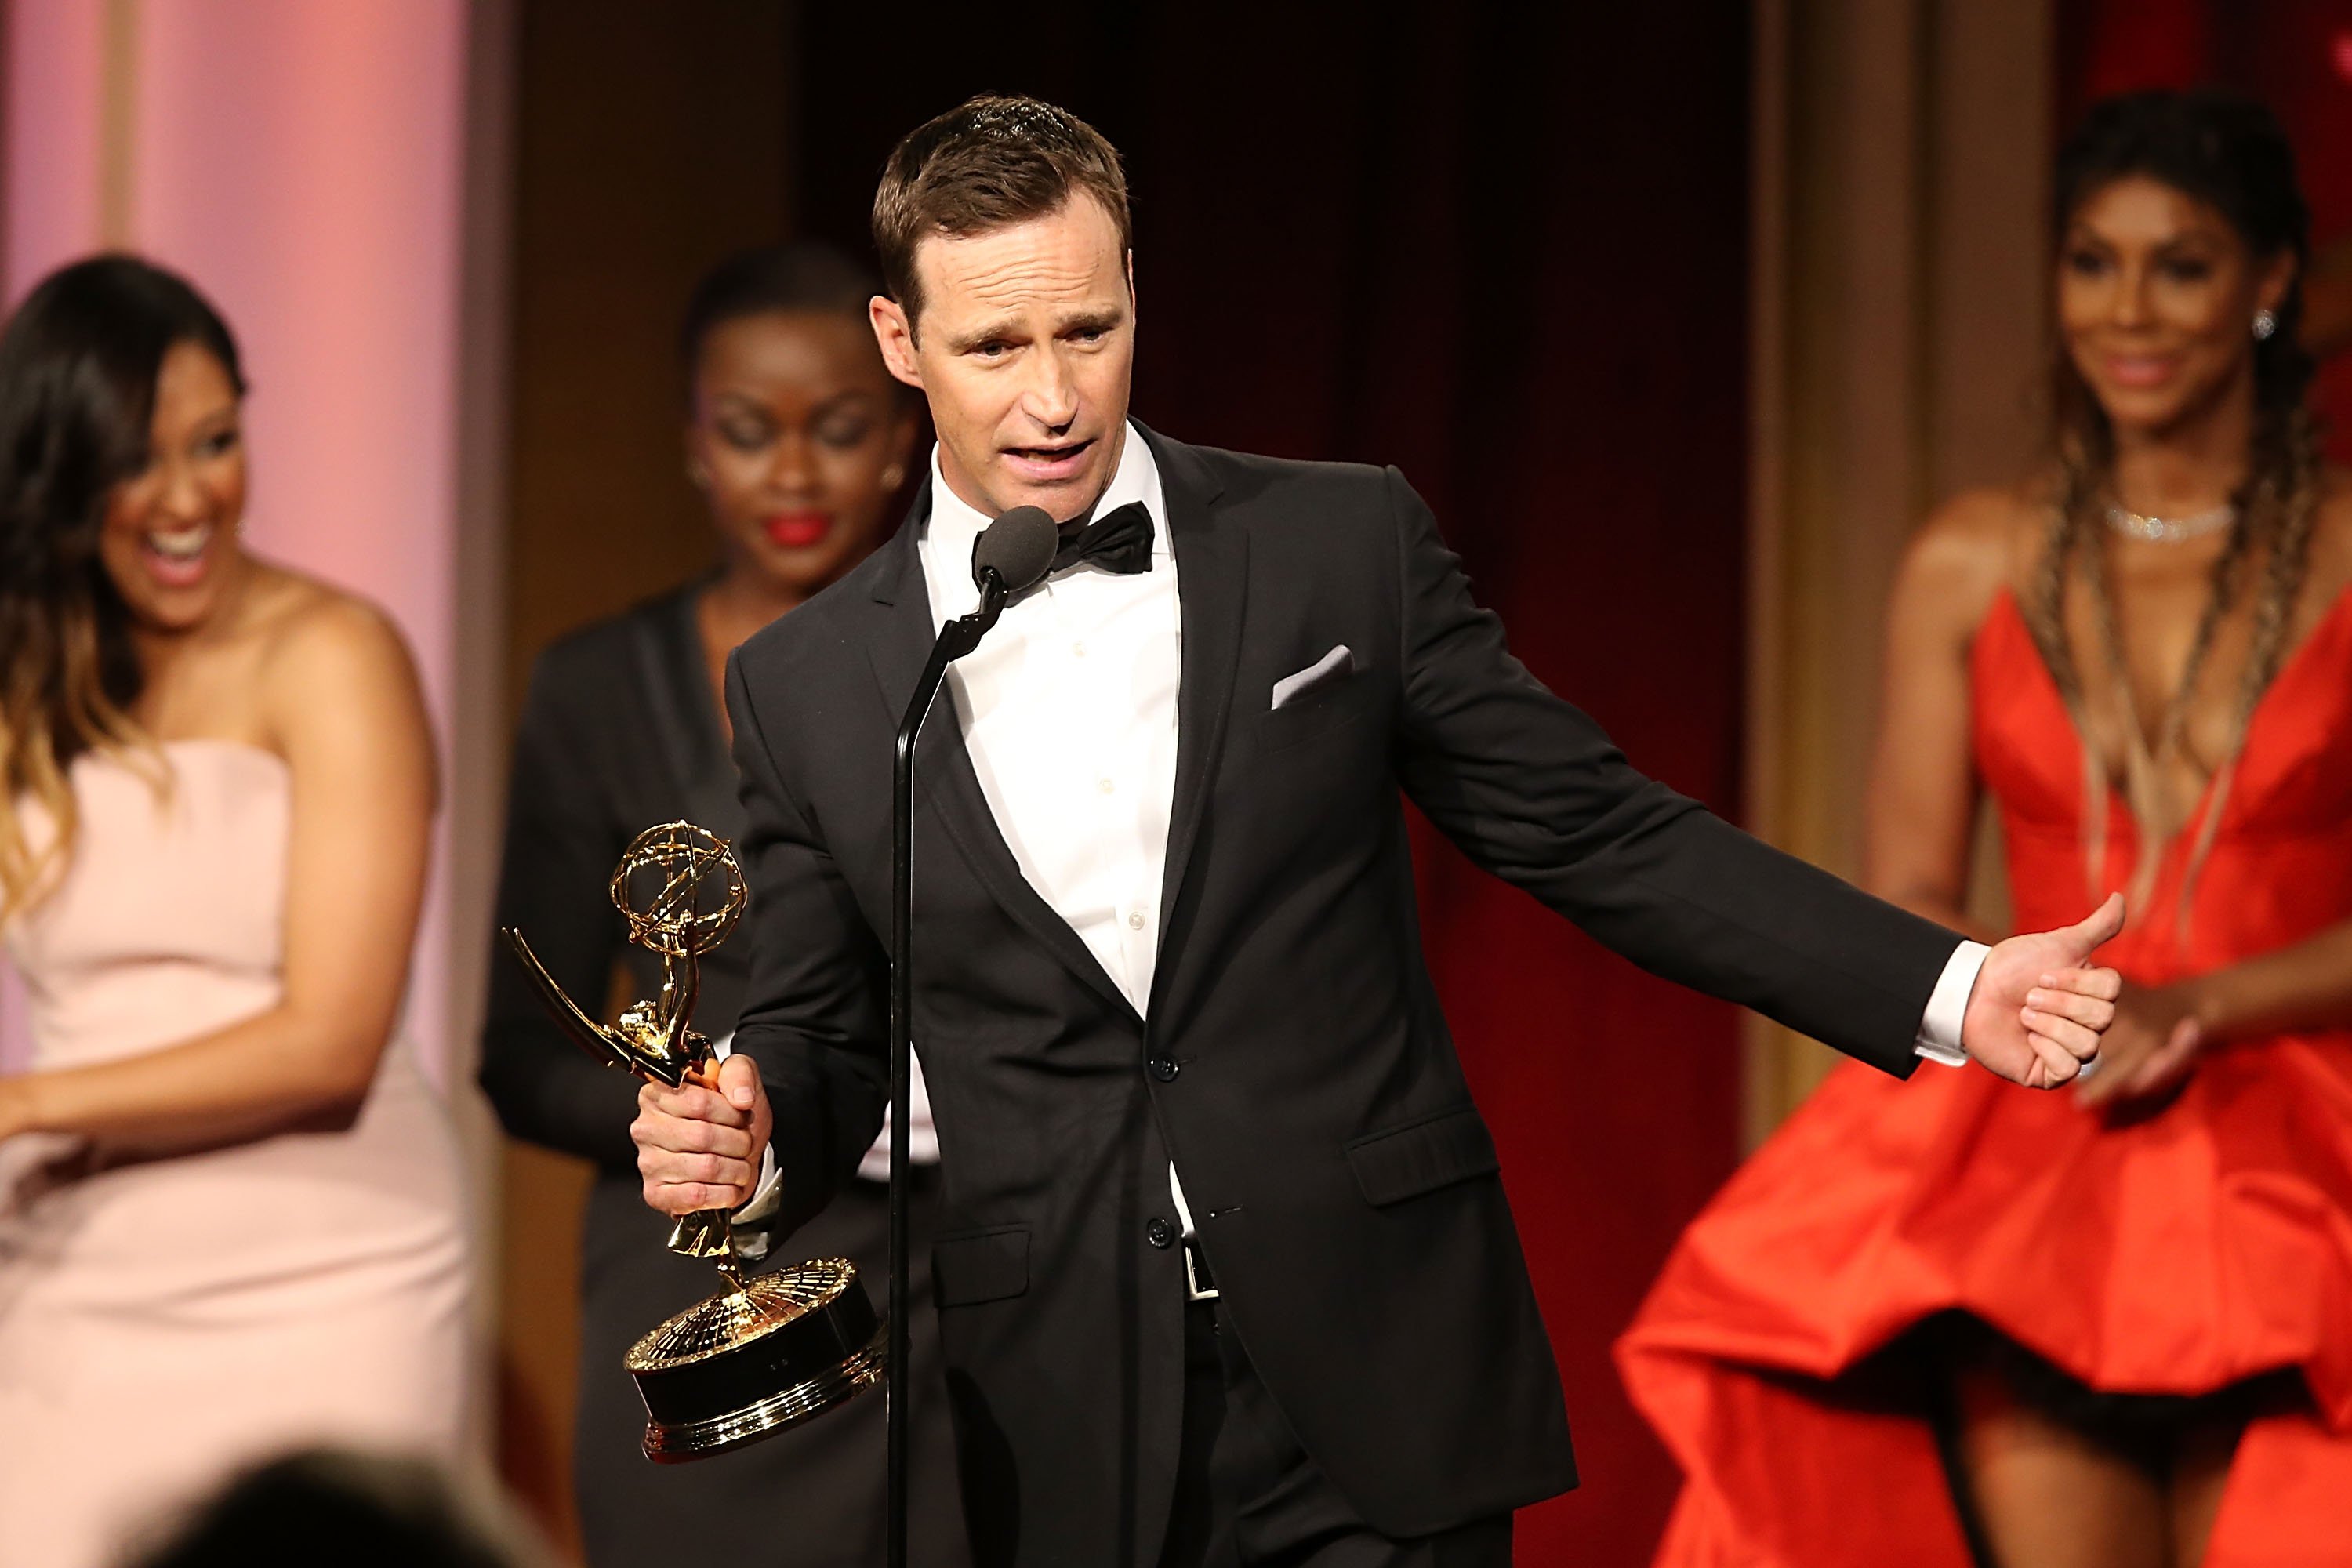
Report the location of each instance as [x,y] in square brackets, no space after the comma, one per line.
[1953,1320]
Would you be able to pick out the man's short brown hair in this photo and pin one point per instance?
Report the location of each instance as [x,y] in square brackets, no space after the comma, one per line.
[987,164]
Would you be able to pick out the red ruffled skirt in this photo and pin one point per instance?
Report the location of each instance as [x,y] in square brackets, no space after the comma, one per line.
[2178,1251]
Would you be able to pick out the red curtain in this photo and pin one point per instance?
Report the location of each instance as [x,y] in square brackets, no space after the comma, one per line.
[1504,249]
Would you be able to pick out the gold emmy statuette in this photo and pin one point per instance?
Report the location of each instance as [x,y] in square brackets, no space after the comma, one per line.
[771,1349]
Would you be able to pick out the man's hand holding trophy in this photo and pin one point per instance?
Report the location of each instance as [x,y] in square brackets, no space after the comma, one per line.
[771,1349]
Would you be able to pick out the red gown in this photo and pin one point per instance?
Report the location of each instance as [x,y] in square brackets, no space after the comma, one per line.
[2176,1253]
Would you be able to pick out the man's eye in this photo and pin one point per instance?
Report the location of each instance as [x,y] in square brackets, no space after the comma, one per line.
[992,349]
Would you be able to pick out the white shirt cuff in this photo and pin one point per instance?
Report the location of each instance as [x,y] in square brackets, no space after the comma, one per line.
[765,1193]
[1948,1006]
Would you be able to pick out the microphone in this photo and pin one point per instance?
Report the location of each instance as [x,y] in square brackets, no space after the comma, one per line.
[1012,553]
[1017,549]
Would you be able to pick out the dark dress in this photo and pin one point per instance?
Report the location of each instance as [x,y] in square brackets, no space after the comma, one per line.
[619,734]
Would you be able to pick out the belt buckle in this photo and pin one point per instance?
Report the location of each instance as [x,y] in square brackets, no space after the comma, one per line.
[1193,1291]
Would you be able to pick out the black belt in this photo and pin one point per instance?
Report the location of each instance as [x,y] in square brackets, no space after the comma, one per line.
[1200,1284]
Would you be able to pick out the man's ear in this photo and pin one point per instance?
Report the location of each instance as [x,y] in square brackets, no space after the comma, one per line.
[1131,286]
[896,336]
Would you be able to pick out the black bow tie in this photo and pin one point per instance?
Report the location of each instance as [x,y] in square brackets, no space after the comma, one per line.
[1120,542]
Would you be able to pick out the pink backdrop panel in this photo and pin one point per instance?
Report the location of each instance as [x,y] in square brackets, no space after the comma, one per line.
[304,163]
[52,105]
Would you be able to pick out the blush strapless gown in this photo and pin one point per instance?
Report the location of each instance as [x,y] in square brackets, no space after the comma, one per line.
[2176,1252]
[166,1321]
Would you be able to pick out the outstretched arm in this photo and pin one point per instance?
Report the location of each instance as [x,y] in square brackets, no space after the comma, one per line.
[1531,789]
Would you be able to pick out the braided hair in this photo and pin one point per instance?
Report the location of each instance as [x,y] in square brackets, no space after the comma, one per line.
[2228,154]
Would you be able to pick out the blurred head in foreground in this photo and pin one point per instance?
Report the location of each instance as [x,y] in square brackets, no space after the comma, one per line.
[123,483]
[337,1508]
[796,433]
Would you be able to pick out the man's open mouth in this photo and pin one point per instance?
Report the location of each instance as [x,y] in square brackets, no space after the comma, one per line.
[1048,462]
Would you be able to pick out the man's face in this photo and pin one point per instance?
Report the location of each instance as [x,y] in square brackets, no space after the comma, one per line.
[1025,348]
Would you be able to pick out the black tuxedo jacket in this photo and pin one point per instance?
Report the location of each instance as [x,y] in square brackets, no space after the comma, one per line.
[1293,1061]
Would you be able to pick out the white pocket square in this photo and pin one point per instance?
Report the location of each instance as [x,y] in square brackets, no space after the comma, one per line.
[1334,666]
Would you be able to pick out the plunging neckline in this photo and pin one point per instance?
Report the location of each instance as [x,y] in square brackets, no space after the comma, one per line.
[2289,666]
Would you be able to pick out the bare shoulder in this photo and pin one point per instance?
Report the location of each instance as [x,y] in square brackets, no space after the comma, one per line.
[1968,550]
[326,652]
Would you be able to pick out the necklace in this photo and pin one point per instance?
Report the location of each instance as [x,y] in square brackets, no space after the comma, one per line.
[2170,530]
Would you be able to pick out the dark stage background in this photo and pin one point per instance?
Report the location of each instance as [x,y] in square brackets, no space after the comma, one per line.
[1475,248]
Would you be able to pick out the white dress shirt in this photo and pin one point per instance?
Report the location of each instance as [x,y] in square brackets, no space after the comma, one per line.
[1068,711]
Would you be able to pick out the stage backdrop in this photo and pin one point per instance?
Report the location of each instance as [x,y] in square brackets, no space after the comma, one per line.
[1504,249]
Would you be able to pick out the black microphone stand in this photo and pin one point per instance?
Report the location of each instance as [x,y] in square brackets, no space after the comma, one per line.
[957,639]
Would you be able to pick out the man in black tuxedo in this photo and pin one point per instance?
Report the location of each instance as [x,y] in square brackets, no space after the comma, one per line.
[1225,1273]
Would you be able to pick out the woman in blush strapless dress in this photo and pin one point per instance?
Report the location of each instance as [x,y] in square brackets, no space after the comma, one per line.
[1950,1321]
[230,1220]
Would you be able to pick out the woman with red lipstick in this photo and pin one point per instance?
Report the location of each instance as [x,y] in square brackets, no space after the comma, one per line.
[230,1219]
[799,442]
[2146,1358]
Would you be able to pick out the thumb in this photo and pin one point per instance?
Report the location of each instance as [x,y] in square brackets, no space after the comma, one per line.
[2100,926]
[738,1080]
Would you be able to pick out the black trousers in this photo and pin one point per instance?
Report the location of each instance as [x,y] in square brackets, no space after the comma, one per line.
[1248,1497]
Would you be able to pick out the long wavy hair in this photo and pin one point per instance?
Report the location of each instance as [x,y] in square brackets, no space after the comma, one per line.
[78,361]
[2229,154]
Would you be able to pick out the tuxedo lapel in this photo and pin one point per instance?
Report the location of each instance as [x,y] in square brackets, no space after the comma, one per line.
[896,648]
[1212,575]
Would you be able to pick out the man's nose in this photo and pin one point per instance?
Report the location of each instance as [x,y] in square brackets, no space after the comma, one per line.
[1051,397]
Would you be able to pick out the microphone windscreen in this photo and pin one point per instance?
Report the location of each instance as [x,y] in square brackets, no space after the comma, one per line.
[1019,546]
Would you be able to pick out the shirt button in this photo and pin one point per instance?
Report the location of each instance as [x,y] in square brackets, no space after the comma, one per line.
[1077,650]
[1135,919]
[1164,1069]
[1159,1233]
[1105,786]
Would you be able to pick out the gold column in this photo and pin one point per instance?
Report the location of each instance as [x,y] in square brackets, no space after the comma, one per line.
[1901,152]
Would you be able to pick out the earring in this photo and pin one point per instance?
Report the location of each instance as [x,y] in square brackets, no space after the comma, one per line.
[2264,325]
